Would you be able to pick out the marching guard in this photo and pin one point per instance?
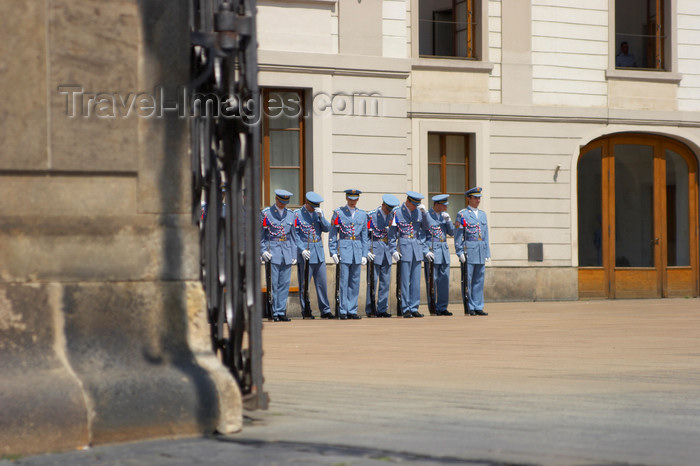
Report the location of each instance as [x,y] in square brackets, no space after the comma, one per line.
[382,248]
[438,251]
[472,247]
[348,245]
[409,225]
[309,225]
[278,246]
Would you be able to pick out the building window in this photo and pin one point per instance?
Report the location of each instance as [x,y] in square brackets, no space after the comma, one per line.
[447,28]
[282,154]
[640,34]
[448,168]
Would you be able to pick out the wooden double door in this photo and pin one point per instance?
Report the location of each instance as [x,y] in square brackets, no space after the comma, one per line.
[637,218]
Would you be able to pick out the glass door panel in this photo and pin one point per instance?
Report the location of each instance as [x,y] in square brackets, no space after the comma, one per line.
[634,205]
[590,210]
[677,210]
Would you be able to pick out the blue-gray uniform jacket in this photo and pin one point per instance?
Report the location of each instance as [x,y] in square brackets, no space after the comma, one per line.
[436,237]
[409,228]
[309,226]
[277,235]
[348,235]
[476,230]
[382,244]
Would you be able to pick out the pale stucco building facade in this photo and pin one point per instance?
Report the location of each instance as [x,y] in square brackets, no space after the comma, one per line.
[395,92]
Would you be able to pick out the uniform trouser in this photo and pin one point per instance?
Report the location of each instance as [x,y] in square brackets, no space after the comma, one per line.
[318,273]
[349,287]
[410,285]
[281,275]
[382,275]
[475,282]
[441,277]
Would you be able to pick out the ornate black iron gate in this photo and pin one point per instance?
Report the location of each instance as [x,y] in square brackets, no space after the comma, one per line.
[224,109]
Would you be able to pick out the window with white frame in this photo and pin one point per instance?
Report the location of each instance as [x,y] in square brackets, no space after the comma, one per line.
[641,34]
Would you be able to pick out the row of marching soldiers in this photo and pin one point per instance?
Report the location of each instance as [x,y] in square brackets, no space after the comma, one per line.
[406,233]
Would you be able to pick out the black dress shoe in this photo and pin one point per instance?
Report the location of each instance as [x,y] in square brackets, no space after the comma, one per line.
[407,315]
[444,313]
[472,313]
[308,316]
[383,314]
[343,317]
[275,318]
[481,313]
[327,315]
[354,317]
[416,314]
[284,318]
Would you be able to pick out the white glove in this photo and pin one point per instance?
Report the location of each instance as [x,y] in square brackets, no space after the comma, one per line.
[318,211]
[306,254]
[370,256]
[364,261]
[446,217]
[462,258]
[335,258]
[266,256]
[396,256]
[421,207]
[430,256]
[488,259]
[294,261]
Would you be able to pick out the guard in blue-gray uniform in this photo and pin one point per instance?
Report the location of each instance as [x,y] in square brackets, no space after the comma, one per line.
[472,229]
[279,247]
[409,225]
[381,250]
[309,225]
[437,250]
[347,243]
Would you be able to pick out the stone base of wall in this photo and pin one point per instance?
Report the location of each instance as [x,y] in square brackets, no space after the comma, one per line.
[531,284]
[104,362]
[502,284]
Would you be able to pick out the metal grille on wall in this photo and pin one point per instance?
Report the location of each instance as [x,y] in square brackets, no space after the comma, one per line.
[224,105]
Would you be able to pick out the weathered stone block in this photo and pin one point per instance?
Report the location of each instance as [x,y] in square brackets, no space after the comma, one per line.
[127,342]
[115,248]
[41,402]
[93,60]
[23,67]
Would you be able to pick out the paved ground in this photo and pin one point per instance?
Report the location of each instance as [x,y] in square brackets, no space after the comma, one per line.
[572,383]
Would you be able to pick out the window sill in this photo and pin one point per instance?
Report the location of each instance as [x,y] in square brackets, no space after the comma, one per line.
[644,75]
[451,64]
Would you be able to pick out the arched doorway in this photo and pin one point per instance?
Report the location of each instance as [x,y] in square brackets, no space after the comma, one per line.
[637,218]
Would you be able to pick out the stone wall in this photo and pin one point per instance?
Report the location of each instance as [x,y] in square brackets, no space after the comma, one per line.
[98,257]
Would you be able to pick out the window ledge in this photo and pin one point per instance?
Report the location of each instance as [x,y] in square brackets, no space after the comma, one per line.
[449,64]
[645,75]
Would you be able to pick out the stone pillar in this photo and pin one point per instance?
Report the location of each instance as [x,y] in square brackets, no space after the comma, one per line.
[99,284]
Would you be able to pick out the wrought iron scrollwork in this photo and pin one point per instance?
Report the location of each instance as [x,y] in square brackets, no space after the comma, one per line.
[224,118]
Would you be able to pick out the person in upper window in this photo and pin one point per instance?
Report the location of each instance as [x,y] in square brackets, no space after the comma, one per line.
[625,59]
